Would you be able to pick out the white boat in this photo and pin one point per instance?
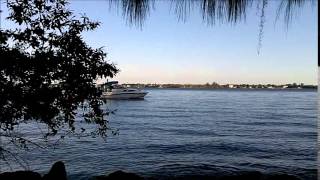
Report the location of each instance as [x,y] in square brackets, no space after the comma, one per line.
[112,90]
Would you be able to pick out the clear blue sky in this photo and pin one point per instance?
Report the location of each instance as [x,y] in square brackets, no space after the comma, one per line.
[168,51]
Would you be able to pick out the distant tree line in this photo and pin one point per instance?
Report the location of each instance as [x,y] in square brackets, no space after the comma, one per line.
[215,85]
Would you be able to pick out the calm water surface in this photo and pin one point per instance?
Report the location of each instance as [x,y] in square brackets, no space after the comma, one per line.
[182,132]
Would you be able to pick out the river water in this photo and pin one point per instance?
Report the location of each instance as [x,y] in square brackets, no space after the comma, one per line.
[197,132]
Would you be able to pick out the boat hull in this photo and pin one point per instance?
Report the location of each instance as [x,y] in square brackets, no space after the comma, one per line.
[139,95]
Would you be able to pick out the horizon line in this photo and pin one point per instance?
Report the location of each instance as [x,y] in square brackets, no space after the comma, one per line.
[278,84]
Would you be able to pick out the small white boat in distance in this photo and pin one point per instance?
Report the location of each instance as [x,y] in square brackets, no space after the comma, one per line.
[112,90]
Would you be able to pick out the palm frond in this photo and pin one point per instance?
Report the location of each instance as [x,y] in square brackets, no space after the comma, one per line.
[134,11]
[289,9]
[183,8]
[229,11]
[224,11]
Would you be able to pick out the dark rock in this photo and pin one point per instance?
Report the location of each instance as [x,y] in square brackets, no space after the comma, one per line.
[20,175]
[119,175]
[282,177]
[57,171]
[251,175]
[259,176]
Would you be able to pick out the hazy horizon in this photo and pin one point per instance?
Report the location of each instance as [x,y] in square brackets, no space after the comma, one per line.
[105,80]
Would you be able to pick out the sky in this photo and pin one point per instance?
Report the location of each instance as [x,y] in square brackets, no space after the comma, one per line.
[166,50]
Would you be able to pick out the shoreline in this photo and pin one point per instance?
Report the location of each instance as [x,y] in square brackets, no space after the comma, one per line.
[59,171]
[234,89]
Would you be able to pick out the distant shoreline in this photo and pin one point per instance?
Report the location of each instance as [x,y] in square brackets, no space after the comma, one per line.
[232,89]
[236,89]
[226,86]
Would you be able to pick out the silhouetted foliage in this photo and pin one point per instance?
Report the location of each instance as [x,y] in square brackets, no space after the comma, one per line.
[212,11]
[47,70]
[230,11]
